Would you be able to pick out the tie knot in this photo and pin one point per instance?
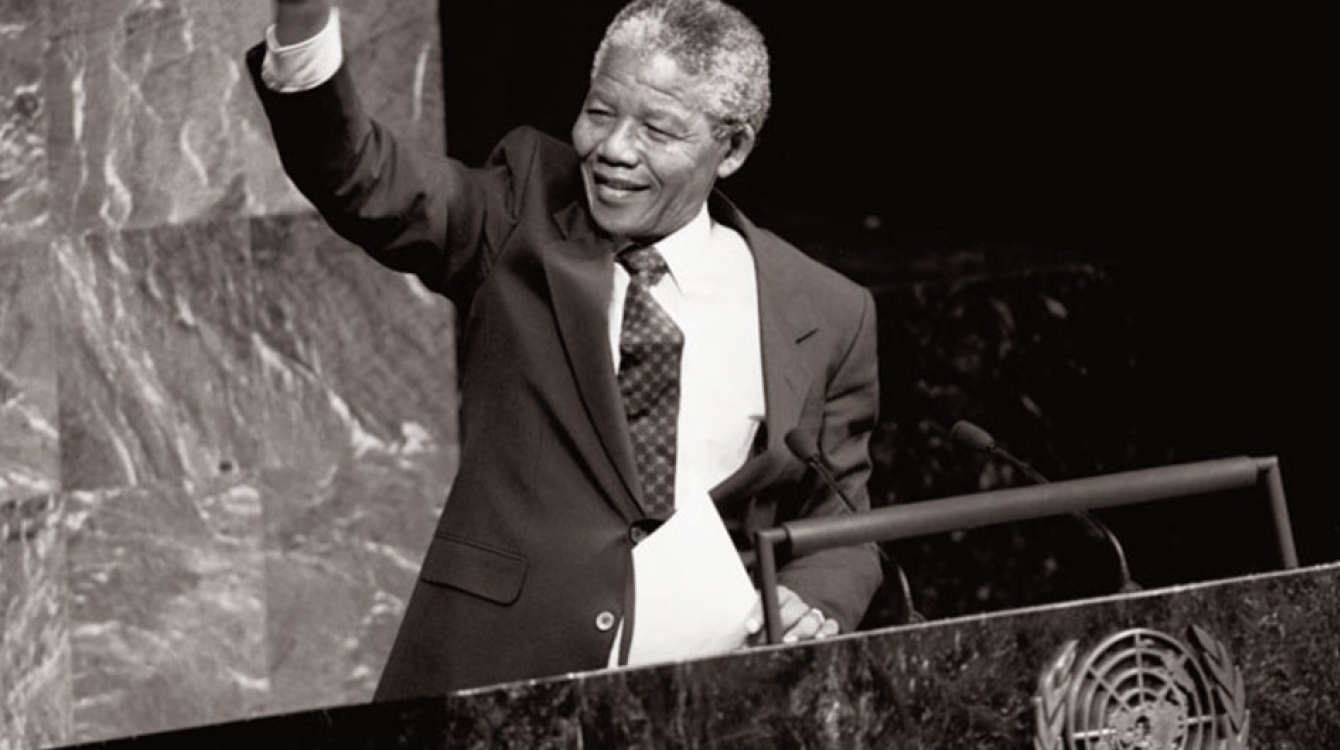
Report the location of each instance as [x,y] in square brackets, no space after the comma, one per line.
[644,263]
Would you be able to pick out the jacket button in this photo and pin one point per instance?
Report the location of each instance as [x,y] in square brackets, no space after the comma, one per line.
[637,534]
[604,621]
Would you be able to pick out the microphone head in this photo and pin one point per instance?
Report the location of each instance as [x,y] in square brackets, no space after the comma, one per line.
[967,434]
[802,444]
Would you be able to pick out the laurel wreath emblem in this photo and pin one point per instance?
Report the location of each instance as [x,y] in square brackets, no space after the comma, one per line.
[1059,683]
[1049,704]
[1229,690]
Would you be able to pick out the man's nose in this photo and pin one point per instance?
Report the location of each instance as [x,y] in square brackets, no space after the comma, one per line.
[618,145]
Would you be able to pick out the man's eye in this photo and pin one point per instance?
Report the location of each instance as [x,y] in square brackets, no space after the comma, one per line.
[658,134]
[598,113]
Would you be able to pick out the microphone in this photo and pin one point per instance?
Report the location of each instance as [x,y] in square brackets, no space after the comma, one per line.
[971,436]
[975,438]
[804,447]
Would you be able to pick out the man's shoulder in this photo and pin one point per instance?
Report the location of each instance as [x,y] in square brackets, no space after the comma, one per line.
[809,276]
[540,162]
[527,145]
[815,272]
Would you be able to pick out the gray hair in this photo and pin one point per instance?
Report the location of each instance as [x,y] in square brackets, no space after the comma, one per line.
[707,39]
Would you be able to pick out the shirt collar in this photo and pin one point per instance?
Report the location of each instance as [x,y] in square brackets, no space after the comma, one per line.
[688,250]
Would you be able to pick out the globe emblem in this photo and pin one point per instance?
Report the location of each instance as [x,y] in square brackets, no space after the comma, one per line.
[1141,690]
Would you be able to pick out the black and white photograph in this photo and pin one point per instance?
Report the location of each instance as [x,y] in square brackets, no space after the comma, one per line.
[667,374]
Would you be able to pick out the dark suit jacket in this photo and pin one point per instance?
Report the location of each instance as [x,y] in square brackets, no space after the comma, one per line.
[534,543]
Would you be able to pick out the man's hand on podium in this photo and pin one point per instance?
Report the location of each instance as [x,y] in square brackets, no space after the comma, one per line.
[800,621]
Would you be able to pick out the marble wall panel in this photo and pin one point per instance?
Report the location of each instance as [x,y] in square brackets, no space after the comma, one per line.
[395,52]
[193,354]
[35,665]
[143,109]
[23,183]
[357,361]
[154,120]
[5,677]
[196,382]
[29,458]
[358,364]
[157,371]
[166,609]
[343,548]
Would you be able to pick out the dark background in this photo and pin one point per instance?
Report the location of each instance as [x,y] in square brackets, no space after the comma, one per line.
[1098,233]
[1128,129]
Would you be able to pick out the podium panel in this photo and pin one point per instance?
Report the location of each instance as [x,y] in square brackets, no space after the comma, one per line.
[1246,661]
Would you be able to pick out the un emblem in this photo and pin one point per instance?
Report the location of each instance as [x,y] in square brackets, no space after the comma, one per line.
[1142,690]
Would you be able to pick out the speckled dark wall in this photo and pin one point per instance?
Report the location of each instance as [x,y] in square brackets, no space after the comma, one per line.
[212,498]
[1085,363]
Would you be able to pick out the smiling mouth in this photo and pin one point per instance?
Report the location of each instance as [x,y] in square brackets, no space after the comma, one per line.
[613,187]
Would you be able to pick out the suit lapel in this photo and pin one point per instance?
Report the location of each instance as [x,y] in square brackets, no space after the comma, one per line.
[786,321]
[580,269]
[580,272]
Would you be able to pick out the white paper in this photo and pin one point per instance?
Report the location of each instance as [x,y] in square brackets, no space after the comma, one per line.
[693,593]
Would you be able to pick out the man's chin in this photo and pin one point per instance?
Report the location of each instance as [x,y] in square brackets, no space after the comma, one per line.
[617,223]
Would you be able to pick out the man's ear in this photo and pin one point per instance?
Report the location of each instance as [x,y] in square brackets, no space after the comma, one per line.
[739,145]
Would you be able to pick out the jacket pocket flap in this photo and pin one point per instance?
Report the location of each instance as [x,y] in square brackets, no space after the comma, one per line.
[487,572]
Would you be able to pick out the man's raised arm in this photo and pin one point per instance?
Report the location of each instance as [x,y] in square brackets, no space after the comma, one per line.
[389,199]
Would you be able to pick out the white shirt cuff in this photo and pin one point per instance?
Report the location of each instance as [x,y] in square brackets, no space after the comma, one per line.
[306,64]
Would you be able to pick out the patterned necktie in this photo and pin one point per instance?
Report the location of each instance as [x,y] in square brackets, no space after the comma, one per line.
[649,349]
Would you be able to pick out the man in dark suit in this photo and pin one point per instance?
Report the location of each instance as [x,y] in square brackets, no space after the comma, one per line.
[629,340]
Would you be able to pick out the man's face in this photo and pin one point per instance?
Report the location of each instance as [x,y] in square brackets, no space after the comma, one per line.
[648,156]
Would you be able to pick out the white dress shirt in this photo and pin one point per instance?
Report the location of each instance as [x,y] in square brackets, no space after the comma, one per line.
[712,295]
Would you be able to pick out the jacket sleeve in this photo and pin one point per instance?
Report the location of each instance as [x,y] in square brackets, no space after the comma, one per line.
[418,213]
[841,581]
